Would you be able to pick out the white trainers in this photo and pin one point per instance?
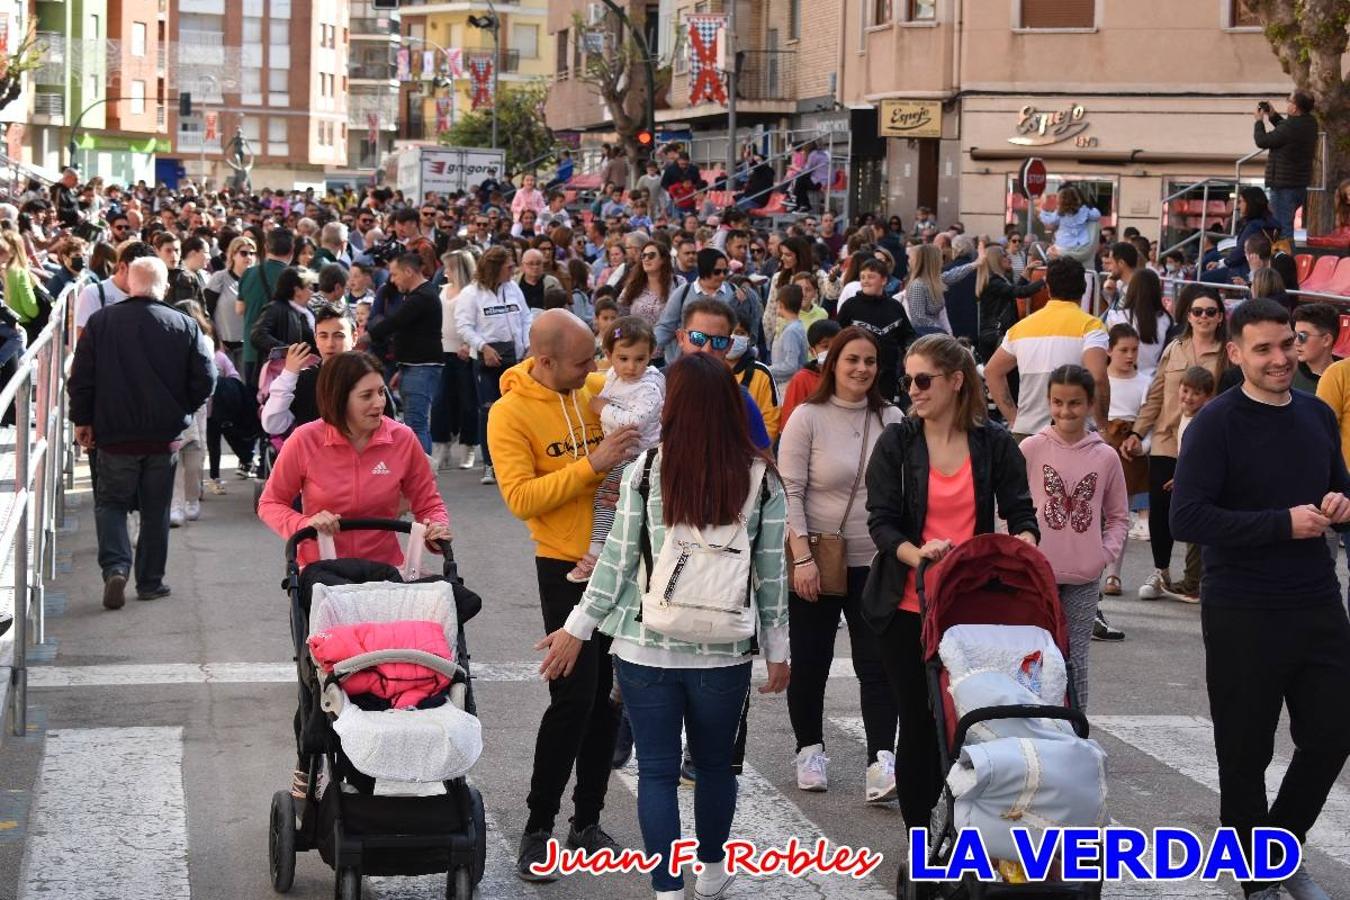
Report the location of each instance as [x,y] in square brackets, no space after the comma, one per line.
[1139,530]
[712,883]
[1155,586]
[813,768]
[193,510]
[881,778]
[440,456]
[469,457]
[177,515]
[489,476]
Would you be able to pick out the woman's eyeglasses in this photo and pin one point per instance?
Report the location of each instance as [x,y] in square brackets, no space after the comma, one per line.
[1205,312]
[923,381]
[650,256]
[719,342]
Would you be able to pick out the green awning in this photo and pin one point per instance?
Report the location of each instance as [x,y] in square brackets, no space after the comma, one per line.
[89,141]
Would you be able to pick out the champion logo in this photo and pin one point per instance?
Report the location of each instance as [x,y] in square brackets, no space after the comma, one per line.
[380,469]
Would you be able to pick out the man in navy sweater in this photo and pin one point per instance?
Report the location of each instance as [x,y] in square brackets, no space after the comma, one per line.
[1259,482]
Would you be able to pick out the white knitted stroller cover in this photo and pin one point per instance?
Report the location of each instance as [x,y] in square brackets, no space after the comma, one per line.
[417,745]
[1033,773]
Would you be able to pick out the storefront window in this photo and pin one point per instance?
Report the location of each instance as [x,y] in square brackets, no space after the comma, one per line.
[1100,191]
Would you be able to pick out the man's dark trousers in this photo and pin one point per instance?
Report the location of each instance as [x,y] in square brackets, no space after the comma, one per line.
[127,482]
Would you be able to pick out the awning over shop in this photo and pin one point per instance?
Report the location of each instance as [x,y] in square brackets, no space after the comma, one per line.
[1107,157]
[88,141]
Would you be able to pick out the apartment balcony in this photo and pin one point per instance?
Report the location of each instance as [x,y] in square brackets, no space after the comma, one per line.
[53,67]
[380,72]
[377,28]
[767,75]
[509,62]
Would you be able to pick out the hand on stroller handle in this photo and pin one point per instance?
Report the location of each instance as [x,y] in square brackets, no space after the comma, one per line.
[438,536]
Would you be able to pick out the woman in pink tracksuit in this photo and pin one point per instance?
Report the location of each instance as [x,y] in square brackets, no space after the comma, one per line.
[352,462]
[1078,486]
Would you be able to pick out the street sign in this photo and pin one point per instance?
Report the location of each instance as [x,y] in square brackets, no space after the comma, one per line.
[1032,176]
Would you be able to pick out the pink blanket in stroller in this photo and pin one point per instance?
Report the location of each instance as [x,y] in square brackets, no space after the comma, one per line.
[402,684]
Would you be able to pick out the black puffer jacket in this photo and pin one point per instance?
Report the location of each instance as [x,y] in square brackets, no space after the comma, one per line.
[1292,144]
[280,325]
[897,502]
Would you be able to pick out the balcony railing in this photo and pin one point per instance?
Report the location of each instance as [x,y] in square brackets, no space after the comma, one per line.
[767,75]
[373,71]
[380,26]
[510,61]
[49,104]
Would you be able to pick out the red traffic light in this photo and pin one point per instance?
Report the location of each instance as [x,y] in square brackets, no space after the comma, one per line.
[645,138]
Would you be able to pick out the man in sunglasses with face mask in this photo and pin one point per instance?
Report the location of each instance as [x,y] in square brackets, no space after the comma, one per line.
[708,324]
[711,284]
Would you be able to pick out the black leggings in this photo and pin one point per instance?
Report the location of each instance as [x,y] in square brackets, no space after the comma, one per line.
[917,765]
[811,630]
[1160,471]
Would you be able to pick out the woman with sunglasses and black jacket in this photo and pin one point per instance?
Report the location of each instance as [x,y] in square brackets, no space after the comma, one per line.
[934,481]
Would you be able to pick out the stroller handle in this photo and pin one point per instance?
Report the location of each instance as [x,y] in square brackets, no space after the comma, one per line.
[451,570]
[1068,714]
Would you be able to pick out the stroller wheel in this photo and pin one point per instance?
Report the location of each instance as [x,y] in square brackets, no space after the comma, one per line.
[459,884]
[281,842]
[480,828]
[348,884]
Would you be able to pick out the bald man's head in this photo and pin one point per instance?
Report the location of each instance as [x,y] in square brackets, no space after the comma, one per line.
[563,348]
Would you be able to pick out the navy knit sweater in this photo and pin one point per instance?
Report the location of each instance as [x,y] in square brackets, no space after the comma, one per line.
[1243,465]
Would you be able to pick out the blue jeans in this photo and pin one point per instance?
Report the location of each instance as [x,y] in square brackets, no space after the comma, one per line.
[707,704]
[417,389]
[489,392]
[127,482]
[1284,202]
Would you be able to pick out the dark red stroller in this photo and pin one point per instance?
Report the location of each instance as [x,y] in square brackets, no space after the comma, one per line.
[992,579]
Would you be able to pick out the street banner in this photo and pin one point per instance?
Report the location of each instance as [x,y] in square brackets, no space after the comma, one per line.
[373,128]
[428,64]
[404,58]
[454,61]
[212,126]
[707,40]
[442,114]
[480,71]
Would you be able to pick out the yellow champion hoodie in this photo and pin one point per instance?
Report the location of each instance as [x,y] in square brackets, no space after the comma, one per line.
[539,440]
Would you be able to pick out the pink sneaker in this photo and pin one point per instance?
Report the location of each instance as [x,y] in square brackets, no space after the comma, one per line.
[582,573]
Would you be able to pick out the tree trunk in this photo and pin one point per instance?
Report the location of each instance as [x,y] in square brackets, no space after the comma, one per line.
[1319,217]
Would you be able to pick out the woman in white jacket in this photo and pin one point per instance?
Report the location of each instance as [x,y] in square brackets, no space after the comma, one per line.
[494,322]
[455,412]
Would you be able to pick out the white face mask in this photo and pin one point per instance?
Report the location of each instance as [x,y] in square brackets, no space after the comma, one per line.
[739,344]
[821,357]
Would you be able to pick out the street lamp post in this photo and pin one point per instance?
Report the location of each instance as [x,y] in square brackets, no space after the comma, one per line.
[493,23]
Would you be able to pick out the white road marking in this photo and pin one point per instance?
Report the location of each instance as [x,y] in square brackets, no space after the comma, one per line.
[852,728]
[1186,744]
[133,674]
[499,878]
[770,819]
[109,819]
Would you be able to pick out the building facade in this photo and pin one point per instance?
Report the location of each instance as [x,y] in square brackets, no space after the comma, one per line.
[524,54]
[373,104]
[274,72]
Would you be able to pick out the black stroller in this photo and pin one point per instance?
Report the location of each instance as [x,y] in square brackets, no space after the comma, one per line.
[356,831]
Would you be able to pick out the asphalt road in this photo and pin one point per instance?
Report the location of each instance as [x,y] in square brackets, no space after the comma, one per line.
[159,733]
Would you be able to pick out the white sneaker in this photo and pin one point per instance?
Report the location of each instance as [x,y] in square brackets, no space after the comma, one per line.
[881,778]
[1139,530]
[813,768]
[194,510]
[469,457]
[177,515]
[1154,587]
[712,883]
[670,895]
[489,476]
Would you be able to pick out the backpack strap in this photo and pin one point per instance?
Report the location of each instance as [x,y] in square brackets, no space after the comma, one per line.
[644,534]
[102,296]
[747,375]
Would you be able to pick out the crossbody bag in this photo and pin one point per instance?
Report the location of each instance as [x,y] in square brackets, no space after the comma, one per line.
[830,551]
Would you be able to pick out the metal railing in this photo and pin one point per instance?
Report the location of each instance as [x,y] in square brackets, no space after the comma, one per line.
[509,61]
[766,75]
[383,71]
[49,103]
[43,464]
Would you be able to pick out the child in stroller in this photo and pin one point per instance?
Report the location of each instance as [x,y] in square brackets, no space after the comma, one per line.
[384,792]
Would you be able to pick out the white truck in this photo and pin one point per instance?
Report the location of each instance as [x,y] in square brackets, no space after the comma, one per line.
[445,170]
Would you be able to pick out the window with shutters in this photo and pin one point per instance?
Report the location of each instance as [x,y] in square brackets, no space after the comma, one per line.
[561,48]
[1059,13]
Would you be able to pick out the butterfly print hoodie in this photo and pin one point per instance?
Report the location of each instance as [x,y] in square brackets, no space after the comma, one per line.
[1081,503]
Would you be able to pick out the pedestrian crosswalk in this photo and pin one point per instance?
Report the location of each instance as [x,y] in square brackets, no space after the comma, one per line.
[110,819]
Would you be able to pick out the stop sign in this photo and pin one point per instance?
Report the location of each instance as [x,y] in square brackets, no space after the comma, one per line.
[1032,176]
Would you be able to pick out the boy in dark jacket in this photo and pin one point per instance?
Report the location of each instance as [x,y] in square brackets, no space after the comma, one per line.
[415,327]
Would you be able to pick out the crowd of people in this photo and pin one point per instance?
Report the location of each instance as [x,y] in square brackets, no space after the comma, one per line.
[841,399]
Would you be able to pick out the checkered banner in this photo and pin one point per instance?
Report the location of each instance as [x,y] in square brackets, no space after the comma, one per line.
[480,68]
[442,114]
[707,35]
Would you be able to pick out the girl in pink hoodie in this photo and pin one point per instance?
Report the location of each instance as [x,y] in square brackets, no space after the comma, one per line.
[1078,486]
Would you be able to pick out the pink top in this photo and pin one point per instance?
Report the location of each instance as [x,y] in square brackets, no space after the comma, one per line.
[527,198]
[319,463]
[951,517]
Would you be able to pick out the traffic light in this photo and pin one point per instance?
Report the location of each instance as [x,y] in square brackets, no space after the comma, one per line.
[184,105]
[645,138]
[384,4]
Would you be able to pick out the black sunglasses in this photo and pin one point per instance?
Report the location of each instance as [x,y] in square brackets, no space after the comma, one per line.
[1205,312]
[721,271]
[923,380]
[719,342]
[651,256]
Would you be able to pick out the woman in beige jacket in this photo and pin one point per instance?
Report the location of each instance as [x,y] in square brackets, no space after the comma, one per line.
[1204,332]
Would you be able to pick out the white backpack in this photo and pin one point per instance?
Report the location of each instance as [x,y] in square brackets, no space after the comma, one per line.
[701,588]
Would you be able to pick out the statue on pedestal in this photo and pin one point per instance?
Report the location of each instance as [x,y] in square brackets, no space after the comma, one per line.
[240,159]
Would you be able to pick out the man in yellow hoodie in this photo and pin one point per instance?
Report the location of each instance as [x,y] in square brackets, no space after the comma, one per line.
[550,456]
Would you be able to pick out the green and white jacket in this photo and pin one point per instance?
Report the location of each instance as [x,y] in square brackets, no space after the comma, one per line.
[613,598]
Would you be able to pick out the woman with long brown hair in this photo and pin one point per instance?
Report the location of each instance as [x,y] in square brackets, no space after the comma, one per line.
[706,474]
[648,287]
[934,481]
[823,457]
